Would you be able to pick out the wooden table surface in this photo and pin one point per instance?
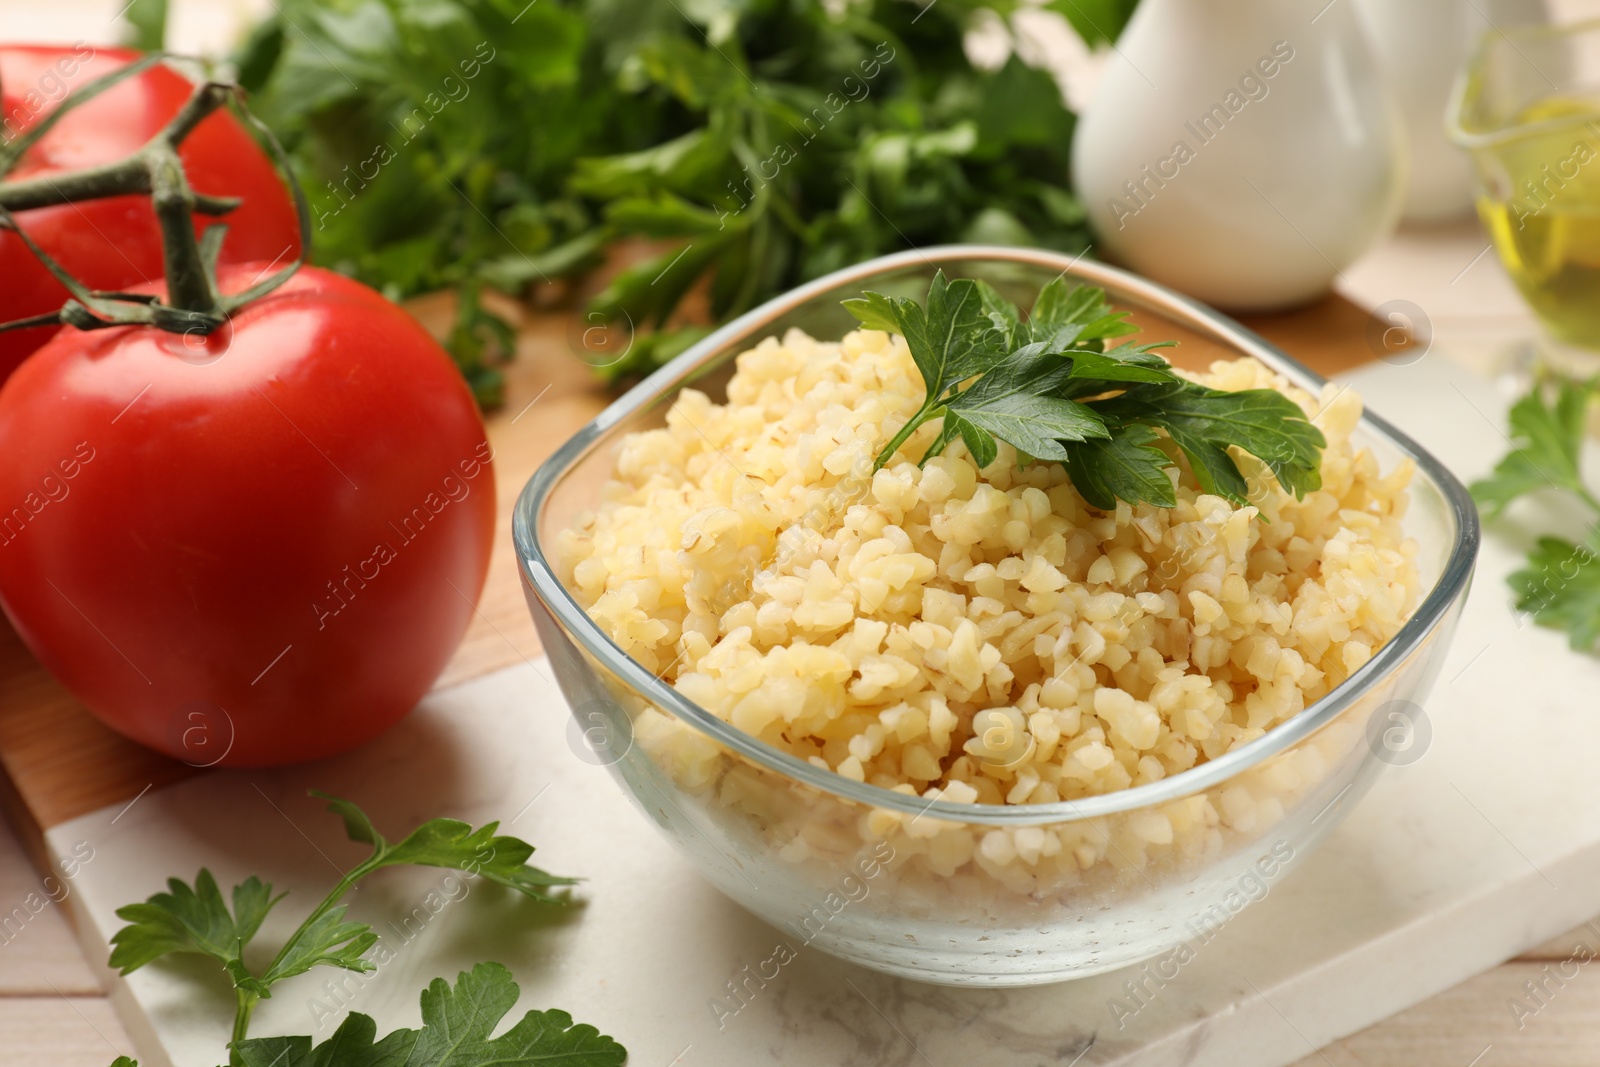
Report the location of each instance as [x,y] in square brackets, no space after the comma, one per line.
[52,1011]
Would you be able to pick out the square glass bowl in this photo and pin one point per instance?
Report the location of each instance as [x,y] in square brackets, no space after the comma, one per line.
[976,894]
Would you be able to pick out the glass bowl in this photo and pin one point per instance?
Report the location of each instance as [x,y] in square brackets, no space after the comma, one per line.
[916,887]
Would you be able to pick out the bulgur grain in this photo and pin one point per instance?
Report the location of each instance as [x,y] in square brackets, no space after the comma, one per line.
[951,629]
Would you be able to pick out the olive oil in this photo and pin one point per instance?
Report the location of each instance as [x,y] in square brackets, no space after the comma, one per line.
[1542,210]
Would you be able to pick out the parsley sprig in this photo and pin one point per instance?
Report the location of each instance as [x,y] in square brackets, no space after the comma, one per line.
[1049,385]
[1560,586]
[196,919]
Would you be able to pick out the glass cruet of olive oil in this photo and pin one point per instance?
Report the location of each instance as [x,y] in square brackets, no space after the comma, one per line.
[1527,109]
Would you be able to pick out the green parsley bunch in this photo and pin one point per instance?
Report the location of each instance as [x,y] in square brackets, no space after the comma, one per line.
[749,145]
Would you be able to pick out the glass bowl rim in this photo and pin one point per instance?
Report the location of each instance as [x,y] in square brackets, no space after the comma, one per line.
[1466,136]
[1127,289]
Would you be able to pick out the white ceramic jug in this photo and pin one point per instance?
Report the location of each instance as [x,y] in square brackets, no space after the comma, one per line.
[1241,151]
[1422,46]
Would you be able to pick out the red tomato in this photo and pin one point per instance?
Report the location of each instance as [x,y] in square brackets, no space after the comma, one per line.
[115,243]
[252,548]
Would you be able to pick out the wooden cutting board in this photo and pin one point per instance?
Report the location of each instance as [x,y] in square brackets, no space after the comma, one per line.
[58,762]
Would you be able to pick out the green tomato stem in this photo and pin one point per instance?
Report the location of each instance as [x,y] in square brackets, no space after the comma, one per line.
[154,169]
[194,303]
[189,284]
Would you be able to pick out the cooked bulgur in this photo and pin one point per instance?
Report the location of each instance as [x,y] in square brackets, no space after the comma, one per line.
[980,635]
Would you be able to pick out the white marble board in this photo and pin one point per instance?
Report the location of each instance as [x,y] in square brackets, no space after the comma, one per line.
[1487,845]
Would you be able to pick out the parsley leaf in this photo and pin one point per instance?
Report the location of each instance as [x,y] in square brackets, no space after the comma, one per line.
[1205,422]
[456,1024]
[1129,465]
[326,939]
[1063,314]
[1013,402]
[1560,587]
[950,337]
[453,844]
[1546,439]
[192,919]
[1096,20]
[147,23]
[877,312]
[1047,385]
[1003,315]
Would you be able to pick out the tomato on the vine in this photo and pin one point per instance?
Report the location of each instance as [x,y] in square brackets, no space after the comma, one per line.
[115,243]
[252,547]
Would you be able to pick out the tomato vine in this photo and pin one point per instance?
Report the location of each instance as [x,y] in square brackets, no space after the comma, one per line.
[194,303]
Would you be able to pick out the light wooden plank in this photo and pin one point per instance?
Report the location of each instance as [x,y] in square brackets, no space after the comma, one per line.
[1568,945]
[60,1031]
[38,952]
[1474,1025]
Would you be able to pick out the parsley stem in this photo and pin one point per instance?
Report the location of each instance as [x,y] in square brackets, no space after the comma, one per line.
[905,432]
[247,1000]
[345,884]
[241,1022]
